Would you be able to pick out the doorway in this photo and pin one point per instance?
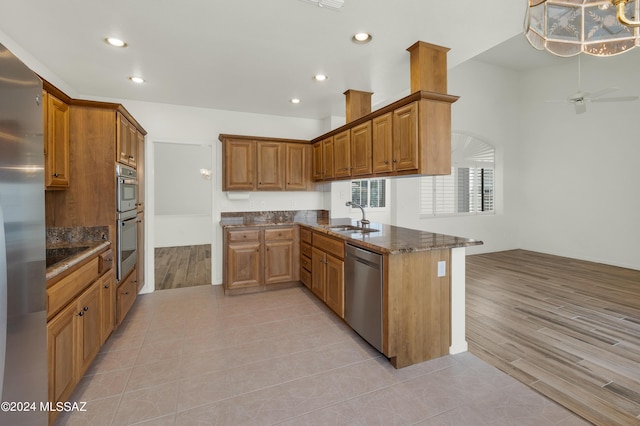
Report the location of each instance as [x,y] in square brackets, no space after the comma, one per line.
[183,214]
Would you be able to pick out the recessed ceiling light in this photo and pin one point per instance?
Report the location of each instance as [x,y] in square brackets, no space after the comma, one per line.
[138,80]
[361,38]
[116,42]
[320,77]
[295,101]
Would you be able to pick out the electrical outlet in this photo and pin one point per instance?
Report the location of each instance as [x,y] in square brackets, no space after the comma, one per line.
[252,204]
[442,268]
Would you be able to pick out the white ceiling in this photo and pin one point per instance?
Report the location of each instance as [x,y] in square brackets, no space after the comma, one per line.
[251,55]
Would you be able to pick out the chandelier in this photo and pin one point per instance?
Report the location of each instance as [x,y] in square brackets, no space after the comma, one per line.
[595,27]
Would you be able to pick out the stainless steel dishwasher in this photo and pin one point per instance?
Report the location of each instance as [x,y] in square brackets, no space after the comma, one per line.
[363,294]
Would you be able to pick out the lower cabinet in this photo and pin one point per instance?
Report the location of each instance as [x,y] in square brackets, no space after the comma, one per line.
[107,304]
[256,259]
[327,271]
[81,315]
[126,295]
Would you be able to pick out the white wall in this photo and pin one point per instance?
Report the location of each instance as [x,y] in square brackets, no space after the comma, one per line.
[487,108]
[580,173]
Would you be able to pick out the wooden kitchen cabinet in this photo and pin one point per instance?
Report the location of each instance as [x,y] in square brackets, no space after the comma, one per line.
[264,164]
[327,271]
[88,330]
[239,165]
[361,145]
[382,143]
[317,161]
[279,261]
[270,167]
[79,318]
[256,259]
[61,356]
[405,138]
[328,156]
[297,167]
[126,294]
[126,141]
[409,137]
[342,154]
[243,261]
[56,135]
[107,305]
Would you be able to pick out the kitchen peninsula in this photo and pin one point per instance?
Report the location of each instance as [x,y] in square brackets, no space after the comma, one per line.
[423,284]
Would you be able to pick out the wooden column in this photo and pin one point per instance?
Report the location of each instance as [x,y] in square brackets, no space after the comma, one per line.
[428,67]
[358,104]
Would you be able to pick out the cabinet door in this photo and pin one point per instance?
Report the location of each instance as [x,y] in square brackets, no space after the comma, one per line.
[140,252]
[123,139]
[318,165]
[405,138]
[140,169]
[318,272]
[382,137]
[361,150]
[56,142]
[88,330]
[61,354]
[279,261]
[270,166]
[342,154]
[328,170]
[126,296]
[243,265]
[335,285]
[296,167]
[107,305]
[239,165]
[133,146]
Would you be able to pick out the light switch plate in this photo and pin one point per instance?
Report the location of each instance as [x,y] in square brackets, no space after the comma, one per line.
[442,268]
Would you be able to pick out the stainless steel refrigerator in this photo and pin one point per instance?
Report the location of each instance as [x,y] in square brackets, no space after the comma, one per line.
[23,323]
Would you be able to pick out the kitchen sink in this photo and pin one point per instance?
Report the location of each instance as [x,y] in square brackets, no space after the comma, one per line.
[341,228]
[352,229]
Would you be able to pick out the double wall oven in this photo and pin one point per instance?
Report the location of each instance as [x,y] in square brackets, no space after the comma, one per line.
[127,193]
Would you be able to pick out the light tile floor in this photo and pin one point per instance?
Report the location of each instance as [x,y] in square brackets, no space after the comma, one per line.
[192,356]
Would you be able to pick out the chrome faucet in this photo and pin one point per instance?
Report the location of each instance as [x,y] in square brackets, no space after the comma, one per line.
[364,220]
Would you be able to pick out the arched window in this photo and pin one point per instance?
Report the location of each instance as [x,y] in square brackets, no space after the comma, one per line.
[469,189]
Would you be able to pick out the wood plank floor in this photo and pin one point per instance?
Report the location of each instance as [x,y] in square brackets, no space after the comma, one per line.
[185,266]
[567,328]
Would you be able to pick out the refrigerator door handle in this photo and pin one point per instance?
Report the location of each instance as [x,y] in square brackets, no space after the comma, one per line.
[3,300]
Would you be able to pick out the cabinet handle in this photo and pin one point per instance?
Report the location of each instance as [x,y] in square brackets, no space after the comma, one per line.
[131,157]
[386,162]
[86,308]
[80,313]
[395,161]
[126,293]
[55,175]
[106,286]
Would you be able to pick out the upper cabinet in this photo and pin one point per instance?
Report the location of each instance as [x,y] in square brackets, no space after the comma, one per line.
[342,154]
[126,141]
[409,137]
[56,136]
[361,150]
[262,164]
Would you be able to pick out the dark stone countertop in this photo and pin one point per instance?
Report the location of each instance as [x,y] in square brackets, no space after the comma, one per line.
[387,239]
[69,255]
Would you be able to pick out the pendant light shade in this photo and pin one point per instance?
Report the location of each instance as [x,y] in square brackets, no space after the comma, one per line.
[595,27]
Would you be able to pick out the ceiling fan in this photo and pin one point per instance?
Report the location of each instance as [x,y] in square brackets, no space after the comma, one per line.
[580,99]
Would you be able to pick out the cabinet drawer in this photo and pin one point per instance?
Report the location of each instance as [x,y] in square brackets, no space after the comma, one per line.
[278,234]
[305,262]
[305,249]
[305,235]
[62,292]
[329,245]
[244,235]
[305,277]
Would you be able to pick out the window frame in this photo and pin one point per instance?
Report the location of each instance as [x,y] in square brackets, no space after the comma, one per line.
[385,182]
